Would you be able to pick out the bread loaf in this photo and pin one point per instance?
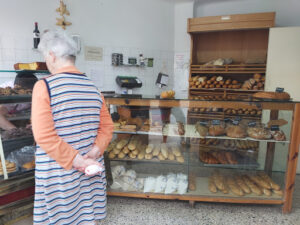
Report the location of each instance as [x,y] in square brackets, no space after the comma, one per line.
[132,156]
[121,155]
[234,188]
[254,188]
[236,132]
[176,151]
[171,156]
[259,181]
[242,185]
[267,192]
[161,157]
[219,181]
[278,192]
[111,155]
[211,185]
[192,182]
[164,150]
[141,155]
[148,156]
[149,148]
[202,130]
[266,178]
[216,130]
[116,151]
[272,95]
[156,150]
[132,144]
[180,159]
[125,150]
[121,144]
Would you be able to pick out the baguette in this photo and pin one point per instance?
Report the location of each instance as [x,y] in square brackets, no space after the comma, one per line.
[278,192]
[242,185]
[259,181]
[121,155]
[267,192]
[122,143]
[111,155]
[266,178]
[211,185]
[148,156]
[132,156]
[171,156]
[254,188]
[161,157]
[141,155]
[219,181]
[176,151]
[235,189]
[192,182]
[125,150]
[133,144]
[164,150]
[116,151]
[149,148]
[156,150]
[180,159]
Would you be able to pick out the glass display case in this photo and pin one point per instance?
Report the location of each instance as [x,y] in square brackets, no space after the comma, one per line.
[16,142]
[160,152]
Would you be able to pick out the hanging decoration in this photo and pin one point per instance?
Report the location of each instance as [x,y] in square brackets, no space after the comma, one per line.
[62,10]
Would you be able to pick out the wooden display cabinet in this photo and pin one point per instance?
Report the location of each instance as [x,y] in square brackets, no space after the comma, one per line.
[199,171]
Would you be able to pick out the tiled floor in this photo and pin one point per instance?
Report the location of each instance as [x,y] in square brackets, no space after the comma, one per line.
[129,211]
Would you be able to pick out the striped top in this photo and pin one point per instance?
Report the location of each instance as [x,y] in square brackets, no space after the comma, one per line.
[64,195]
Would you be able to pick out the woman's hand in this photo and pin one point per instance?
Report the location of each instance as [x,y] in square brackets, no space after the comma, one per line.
[80,163]
[95,153]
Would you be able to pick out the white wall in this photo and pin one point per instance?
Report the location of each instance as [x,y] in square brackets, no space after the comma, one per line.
[283,71]
[130,27]
[182,12]
[287,11]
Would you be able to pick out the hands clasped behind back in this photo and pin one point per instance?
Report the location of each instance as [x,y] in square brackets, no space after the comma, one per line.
[80,162]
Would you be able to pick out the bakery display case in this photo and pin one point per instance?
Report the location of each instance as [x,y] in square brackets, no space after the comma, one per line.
[158,152]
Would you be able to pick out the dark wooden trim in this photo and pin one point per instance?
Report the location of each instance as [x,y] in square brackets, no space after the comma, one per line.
[292,161]
[196,198]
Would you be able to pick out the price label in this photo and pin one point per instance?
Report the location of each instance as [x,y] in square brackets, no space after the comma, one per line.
[274,128]
[235,122]
[226,120]
[279,89]
[216,122]
[203,123]
[252,124]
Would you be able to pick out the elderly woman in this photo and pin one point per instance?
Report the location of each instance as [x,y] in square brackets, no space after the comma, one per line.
[72,128]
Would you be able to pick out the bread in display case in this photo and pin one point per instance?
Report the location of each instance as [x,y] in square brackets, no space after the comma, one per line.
[234,160]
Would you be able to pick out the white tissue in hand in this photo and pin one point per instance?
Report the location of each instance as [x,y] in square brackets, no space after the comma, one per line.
[93,169]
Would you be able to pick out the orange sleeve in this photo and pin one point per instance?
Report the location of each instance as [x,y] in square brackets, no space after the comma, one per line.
[105,130]
[44,131]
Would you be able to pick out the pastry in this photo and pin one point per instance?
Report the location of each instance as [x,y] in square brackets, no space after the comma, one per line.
[156,150]
[236,131]
[29,165]
[121,144]
[149,148]
[278,135]
[259,133]
[161,157]
[272,95]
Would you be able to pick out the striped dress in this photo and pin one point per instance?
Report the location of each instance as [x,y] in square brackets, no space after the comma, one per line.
[68,196]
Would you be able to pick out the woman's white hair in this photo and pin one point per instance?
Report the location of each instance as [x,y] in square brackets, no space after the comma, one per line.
[58,42]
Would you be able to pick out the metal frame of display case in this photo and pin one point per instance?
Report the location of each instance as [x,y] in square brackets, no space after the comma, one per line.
[273,106]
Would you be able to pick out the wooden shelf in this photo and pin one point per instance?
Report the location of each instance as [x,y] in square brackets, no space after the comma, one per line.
[228,69]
